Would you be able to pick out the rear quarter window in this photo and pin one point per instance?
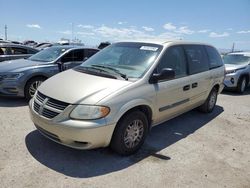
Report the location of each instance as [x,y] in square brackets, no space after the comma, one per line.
[213,57]
[197,58]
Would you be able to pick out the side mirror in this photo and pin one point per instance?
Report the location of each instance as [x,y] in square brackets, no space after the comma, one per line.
[85,58]
[165,74]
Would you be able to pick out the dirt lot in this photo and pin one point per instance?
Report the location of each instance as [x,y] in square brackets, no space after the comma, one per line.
[193,150]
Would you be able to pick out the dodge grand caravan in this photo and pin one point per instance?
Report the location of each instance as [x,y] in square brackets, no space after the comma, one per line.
[120,93]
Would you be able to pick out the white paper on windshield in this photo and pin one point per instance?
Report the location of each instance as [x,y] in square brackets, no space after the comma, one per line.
[149,48]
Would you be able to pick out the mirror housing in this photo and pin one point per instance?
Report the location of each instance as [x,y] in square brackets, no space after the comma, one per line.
[165,74]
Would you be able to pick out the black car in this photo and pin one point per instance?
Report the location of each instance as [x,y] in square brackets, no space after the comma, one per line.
[9,51]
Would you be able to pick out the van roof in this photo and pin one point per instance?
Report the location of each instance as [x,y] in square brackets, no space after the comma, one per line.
[240,53]
[164,42]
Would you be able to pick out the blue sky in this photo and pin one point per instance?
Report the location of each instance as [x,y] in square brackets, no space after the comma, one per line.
[219,22]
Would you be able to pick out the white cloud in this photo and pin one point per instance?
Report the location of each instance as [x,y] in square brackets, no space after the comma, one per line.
[67,32]
[169,26]
[85,33]
[85,26]
[217,35]
[243,32]
[121,23]
[34,26]
[148,28]
[203,31]
[184,30]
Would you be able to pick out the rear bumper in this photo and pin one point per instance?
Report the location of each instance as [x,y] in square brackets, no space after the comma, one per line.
[76,134]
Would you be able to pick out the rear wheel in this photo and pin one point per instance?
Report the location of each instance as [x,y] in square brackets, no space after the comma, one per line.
[210,103]
[241,87]
[130,133]
[31,87]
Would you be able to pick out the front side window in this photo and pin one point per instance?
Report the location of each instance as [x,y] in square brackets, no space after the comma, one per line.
[197,58]
[236,59]
[127,58]
[174,58]
[49,54]
[214,57]
[3,51]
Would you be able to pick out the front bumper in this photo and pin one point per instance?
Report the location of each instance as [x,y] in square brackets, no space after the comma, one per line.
[11,88]
[231,80]
[77,134]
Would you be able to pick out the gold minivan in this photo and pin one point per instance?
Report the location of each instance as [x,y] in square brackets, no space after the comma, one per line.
[120,93]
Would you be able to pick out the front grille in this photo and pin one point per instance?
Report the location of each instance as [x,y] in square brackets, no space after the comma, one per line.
[48,107]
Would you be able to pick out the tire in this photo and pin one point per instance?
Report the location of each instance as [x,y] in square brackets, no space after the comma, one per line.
[210,103]
[242,84]
[130,133]
[31,87]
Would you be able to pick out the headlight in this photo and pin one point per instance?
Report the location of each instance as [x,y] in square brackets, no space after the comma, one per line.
[86,112]
[12,76]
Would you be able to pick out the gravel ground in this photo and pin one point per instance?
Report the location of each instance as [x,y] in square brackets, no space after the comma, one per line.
[193,150]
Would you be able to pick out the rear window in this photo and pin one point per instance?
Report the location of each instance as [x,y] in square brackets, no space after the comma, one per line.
[19,51]
[197,58]
[214,57]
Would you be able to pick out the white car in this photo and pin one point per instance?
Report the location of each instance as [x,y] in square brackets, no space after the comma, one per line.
[118,94]
[237,71]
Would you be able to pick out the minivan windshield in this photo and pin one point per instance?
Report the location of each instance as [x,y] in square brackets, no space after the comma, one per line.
[236,59]
[128,59]
[49,54]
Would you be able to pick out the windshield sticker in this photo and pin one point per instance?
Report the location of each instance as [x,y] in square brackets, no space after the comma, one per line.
[149,48]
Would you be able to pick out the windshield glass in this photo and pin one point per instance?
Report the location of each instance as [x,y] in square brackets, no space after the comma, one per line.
[236,59]
[130,60]
[47,55]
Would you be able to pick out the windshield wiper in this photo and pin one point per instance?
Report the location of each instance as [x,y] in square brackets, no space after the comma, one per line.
[94,71]
[113,69]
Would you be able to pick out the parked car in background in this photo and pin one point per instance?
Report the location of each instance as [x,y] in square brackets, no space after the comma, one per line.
[30,43]
[22,77]
[43,46]
[237,71]
[9,51]
[116,96]
[103,45]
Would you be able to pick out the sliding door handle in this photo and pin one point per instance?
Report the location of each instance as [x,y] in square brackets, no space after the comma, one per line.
[194,85]
[187,87]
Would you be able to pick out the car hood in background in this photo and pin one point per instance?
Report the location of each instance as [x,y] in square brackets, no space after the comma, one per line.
[18,65]
[233,67]
[80,88]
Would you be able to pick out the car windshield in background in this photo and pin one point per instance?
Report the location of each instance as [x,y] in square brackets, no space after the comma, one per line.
[129,60]
[49,54]
[236,59]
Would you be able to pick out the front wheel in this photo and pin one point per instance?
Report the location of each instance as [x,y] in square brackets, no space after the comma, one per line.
[241,87]
[210,103]
[130,133]
[31,87]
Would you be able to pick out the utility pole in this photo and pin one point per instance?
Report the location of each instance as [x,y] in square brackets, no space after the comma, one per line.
[6,28]
[233,47]
[72,32]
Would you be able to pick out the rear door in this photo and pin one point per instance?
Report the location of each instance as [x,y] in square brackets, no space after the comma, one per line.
[199,73]
[173,95]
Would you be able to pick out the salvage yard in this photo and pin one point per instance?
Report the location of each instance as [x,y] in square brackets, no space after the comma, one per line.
[192,150]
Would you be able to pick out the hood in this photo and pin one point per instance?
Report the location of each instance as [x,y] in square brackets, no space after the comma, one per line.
[233,67]
[18,65]
[80,88]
